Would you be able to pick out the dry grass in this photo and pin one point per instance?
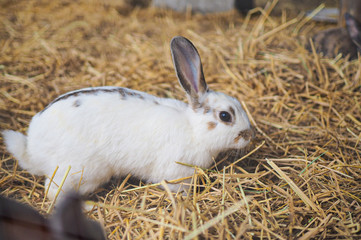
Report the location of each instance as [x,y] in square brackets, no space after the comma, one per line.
[303,181]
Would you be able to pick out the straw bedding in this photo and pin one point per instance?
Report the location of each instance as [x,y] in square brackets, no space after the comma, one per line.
[301,176]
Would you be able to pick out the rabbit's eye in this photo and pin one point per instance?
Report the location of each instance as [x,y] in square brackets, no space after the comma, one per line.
[225,116]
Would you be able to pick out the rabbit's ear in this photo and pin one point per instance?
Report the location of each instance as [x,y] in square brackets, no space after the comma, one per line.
[69,222]
[189,70]
[18,221]
[354,29]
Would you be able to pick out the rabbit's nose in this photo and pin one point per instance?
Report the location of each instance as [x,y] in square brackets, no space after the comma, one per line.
[246,134]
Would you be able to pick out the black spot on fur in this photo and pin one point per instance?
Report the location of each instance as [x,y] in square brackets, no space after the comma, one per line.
[76,103]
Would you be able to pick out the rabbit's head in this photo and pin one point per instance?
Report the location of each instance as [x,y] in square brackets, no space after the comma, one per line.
[219,121]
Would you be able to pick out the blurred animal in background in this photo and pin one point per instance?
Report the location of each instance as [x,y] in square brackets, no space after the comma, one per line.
[21,222]
[345,39]
[334,41]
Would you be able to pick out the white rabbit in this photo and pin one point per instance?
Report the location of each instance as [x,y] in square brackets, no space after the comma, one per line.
[19,221]
[111,131]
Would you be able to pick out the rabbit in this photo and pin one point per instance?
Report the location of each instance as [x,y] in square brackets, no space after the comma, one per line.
[346,41]
[112,131]
[18,221]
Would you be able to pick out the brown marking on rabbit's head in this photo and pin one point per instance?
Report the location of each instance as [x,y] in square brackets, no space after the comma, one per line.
[205,106]
[211,125]
[206,109]
[231,110]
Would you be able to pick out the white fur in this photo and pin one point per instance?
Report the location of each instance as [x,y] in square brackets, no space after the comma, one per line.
[104,134]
